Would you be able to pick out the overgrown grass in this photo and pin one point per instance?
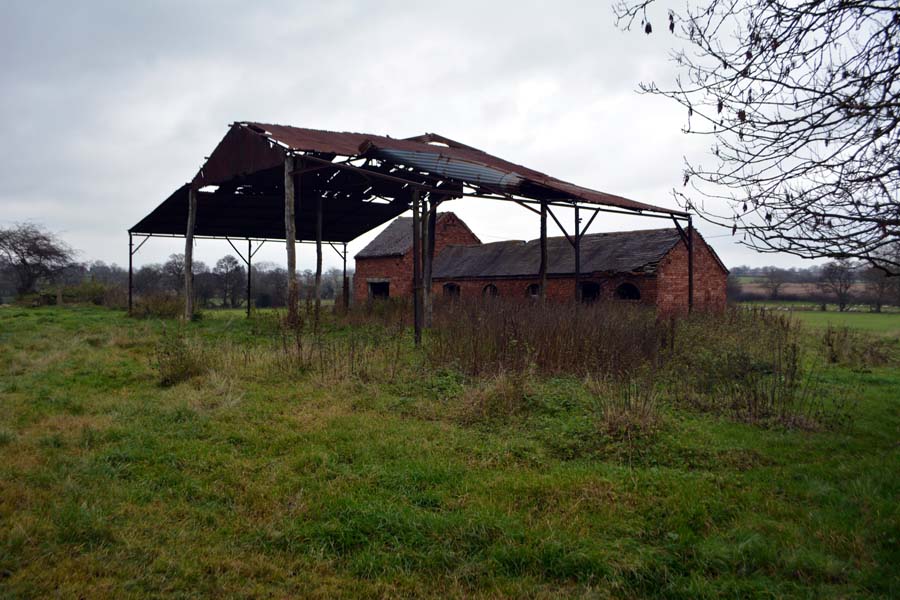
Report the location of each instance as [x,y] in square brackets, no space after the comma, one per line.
[292,476]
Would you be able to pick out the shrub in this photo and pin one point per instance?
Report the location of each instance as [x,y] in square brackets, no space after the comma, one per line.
[159,305]
[746,364]
[176,359]
[507,336]
[625,410]
[500,396]
[842,346]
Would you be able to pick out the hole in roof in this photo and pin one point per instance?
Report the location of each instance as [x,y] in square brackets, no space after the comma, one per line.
[439,144]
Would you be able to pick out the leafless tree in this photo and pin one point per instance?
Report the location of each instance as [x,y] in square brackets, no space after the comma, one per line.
[231,277]
[173,272]
[33,255]
[801,103]
[878,287]
[773,280]
[837,281]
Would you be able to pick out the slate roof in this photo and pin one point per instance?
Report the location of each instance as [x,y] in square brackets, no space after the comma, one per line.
[618,252]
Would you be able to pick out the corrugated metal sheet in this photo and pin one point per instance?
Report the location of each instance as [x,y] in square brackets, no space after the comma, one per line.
[459,159]
[464,170]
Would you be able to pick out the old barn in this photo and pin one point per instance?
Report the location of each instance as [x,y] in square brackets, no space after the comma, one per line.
[266,182]
[648,266]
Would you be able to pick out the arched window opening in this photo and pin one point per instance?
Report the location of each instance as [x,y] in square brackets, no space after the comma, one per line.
[533,291]
[490,291]
[451,290]
[590,291]
[628,291]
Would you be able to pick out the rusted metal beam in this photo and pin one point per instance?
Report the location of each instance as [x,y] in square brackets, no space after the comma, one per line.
[561,228]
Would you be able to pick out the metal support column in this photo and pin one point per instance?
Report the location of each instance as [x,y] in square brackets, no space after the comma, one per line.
[542,274]
[690,235]
[249,273]
[130,273]
[189,254]
[577,256]
[290,237]
[417,274]
[345,288]
[318,256]
[428,240]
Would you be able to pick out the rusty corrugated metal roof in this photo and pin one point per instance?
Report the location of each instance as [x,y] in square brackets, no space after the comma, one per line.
[446,158]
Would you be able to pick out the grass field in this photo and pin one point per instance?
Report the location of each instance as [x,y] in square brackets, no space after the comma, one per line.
[250,482]
[887,324]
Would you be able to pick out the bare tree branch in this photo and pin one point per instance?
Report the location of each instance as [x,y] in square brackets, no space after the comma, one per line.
[802,104]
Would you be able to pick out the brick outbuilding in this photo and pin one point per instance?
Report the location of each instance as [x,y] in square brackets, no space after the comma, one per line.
[648,266]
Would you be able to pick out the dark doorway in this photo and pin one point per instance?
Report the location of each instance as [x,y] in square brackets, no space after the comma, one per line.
[533,291]
[451,290]
[590,291]
[490,291]
[379,290]
[628,291]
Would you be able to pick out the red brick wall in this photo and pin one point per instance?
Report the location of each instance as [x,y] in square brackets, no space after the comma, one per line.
[559,289]
[667,289]
[709,280]
[449,230]
[395,268]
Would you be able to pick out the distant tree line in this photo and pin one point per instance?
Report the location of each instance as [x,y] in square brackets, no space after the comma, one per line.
[841,282]
[225,284]
[34,262]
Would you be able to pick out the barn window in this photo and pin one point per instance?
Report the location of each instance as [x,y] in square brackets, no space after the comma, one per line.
[490,291]
[628,291]
[451,290]
[533,291]
[379,289]
[590,291]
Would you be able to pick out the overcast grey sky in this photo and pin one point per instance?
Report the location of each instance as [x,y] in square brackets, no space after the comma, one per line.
[108,106]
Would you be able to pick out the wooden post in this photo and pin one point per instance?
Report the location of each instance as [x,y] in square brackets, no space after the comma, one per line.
[428,235]
[345,288]
[417,274]
[577,256]
[130,273]
[249,272]
[189,254]
[318,256]
[290,237]
[542,274]
[690,265]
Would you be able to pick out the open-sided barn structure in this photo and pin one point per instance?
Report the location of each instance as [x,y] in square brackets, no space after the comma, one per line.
[646,266]
[273,182]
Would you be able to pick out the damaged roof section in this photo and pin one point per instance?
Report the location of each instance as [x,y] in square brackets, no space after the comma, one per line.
[619,252]
[448,159]
[363,180]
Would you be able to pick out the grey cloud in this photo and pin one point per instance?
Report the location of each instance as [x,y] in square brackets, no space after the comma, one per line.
[107,106]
